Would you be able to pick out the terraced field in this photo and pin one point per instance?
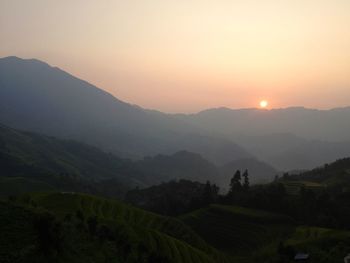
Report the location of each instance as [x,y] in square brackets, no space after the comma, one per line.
[323,244]
[294,187]
[122,233]
[237,230]
[169,238]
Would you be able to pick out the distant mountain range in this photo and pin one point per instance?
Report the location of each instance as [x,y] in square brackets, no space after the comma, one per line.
[291,138]
[311,124]
[37,97]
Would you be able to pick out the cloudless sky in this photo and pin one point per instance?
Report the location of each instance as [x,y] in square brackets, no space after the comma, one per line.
[188,55]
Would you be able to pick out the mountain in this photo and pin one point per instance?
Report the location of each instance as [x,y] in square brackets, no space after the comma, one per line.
[291,138]
[328,125]
[288,152]
[37,97]
[34,162]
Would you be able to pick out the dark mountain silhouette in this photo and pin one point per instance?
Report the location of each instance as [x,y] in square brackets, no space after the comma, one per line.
[37,97]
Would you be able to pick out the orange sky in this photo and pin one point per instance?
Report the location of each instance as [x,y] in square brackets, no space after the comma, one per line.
[188,55]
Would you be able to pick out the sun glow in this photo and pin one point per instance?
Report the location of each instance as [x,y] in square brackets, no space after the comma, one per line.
[264,104]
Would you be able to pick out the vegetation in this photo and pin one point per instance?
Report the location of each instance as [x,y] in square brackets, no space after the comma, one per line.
[299,221]
[28,159]
[45,219]
[321,244]
[334,176]
[10,186]
[68,227]
[174,198]
[238,230]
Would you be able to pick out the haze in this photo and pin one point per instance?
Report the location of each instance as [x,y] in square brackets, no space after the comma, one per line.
[184,56]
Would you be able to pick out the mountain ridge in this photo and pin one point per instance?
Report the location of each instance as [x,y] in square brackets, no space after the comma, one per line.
[56,103]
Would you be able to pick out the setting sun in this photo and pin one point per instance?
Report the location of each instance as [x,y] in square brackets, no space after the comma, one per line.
[264,103]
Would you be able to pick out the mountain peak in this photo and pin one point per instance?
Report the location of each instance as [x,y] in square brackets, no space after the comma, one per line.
[18,60]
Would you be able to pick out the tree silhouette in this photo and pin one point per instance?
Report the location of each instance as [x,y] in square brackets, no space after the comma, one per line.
[210,193]
[235,185]
[246,180]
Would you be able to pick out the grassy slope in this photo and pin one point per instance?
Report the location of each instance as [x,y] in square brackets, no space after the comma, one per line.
[19,185]
[237,230]
[52,155]
[167,237]
[248,235]
[254,236]
[336,174]
[323,244]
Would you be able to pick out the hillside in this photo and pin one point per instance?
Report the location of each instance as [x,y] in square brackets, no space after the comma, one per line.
[173,198]
[181,165]
[55,155]
[258,236]
[324,245]
[82,227]
[192,166]
[11,186]
[37,97]
[334,175]
[236,230]
[70,165]
[32,162]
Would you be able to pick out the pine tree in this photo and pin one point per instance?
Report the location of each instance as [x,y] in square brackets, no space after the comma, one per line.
[246,180]
[207,197]
[235,185]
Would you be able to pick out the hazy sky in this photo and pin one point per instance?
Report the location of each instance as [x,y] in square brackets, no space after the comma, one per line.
[188,55]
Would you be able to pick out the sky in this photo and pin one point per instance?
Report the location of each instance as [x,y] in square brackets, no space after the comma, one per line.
[190,55]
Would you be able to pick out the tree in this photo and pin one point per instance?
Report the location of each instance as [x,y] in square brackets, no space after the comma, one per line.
[246,180]
[235,185]
[210,193]
[207,196]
